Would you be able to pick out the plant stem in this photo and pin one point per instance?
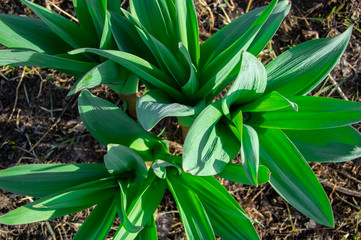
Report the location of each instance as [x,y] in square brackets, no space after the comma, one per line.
[184,131]
[131,100]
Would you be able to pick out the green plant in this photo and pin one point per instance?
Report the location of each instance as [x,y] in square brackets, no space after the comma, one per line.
[264,115]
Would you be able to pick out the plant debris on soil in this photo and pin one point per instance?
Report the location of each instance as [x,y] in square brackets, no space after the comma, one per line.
[40,124]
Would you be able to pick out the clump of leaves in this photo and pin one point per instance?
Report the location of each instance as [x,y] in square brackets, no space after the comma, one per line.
[265,116]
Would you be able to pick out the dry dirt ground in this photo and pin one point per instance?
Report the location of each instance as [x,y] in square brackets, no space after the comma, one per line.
[39,124]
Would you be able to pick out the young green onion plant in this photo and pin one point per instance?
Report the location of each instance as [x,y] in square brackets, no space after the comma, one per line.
[265,116]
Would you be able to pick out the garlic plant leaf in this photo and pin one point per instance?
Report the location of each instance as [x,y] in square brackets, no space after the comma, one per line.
[194,217]
[97,225]
[26,33]
[156,105]
[40,180]
[236,173]
[249,84]
[300,69]
[327,145]
[313,113]
[229,34]
[64,28]
[209,145]
[292,177]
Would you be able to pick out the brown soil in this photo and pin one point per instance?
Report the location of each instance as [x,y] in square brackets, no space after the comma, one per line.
[39,124]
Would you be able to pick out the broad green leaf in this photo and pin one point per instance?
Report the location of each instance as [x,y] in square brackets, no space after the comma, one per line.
[270,27]
[64,28]
[160,168]
[220,72]
[121,201]
[81,195]
[41,209]
[84,17]
[30,33]
[127,37]
[165,58]
[36,59]
[143,206]
[157,17]
[250,153]
[327,145]
[149,231]
[236,124]
[236,173]
[194,217]
[270,102]
[97,10]
[300,69]
[40,180]
[107,41]
[29,214]
[228,219]
[292,177]
[229,34]
[108,73]
[109,124]
[192,85]
[187,28]
[114,6]
[249,84]
[98,223]
[313,113]
[210,144]
[125,163]
[155,105]
[151,75]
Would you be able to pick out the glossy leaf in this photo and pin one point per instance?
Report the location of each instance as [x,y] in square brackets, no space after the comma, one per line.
[29,214]
[127,37]
[31,34]
[157,18]
[187,28]
[121,201]
[81,195]
[97,10]
[104,121]
[228,219]
[55,205]
[250,153]
[141,209]
[194,217]
[165,58]
[192,85]
[209,145]
[327,145]
[249,84]
[64,28]
[97,225]
[270,27]
[149,73]
[236,173]
[313,113]
[155,105]
[160,168]
[219,73]
[300,69]
[35,59]
[270,102]
[149,232]
[40,180]
[292,177]
[229,34]
[108,73]
[84,17]
[124,163]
